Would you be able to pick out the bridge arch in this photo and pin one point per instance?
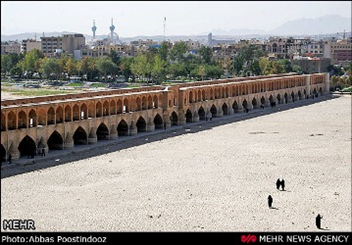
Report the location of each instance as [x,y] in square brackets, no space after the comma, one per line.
[112,107]
[80,136]
[22,119]
[27,146]
[201,113]
[55,141]
[235,107]
[119,107]
[59,115]
[141,125]
[102,132]
[68,114]
[189,116]
[105,108]
[32,118]
[213,111]
[98,109]
[158,121]
[84,111]
[3,122]
[225,109]
[50,116]
[174,119]
[122,128]
[76,113]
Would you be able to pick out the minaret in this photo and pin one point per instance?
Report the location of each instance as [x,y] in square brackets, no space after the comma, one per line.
[94,28]
[112,28]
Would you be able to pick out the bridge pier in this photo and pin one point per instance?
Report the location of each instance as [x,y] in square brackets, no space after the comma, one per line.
[113,132]
[133,129]
[150,125]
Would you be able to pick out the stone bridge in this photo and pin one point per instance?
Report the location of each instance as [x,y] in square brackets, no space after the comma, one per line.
[62,121]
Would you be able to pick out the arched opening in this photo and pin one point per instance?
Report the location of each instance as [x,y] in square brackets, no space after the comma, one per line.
[2,153]
[102,132]
[122,128]
[119,107]
[199,96]
[189,116]
[3,125]
[262,101]
[32,119]
[225,109]
[278,97]
[158,122]
[98,109]
[138,104]
[144,103]
[68,114]
[141,125]
[22,120]
[76,113]
[235,107]
[213,111]
[150,102]
[155,102]
[254,103]
[293,96]
[299,94]
[126,106]
[59,115]
[112,107]
[11,120]
[91,110]
[201,113]
[55,141]
[106,109]
[84,111]
[174,119]
[27,146]
[245,104]
[80,136]
[51,116]
[190,97]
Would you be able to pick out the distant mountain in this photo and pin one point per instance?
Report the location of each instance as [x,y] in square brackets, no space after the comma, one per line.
[235,32]
[321,25]
[328,24]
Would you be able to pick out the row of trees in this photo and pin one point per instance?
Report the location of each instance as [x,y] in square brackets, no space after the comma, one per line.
[156,65]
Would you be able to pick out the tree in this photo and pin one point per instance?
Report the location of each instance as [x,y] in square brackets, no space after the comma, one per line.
[50,67]
[265,66]
[164,51]
[125,67]
[158,70]
[30,59]
[139,67]
[71,66]
[206,55]
[107,66]
[178,51]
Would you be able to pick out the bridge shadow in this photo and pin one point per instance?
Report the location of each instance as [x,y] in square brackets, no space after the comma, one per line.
[60,157]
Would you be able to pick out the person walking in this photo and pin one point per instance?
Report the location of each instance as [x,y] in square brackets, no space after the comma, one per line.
[283,184]
[43,153]
[278,184]
[10,158]
[270,201]
[318,221]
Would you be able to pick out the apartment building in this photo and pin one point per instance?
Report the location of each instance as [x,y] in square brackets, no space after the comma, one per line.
[10,47]
[29,44]
[67,43]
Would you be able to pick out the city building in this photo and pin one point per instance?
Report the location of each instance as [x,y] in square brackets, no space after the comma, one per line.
[30,44]
[66,43]
[10,47]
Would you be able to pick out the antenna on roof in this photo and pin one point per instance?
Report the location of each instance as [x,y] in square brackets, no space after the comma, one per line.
[164,26]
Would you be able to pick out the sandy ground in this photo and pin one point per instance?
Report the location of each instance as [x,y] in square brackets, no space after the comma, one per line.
[8,95]
[213,180]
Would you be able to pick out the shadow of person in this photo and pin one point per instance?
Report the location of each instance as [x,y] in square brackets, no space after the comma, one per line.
[274,208]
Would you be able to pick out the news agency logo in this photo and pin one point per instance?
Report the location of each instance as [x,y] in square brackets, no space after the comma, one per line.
[249,238]
[18,224]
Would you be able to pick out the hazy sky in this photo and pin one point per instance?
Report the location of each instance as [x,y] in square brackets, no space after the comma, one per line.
[132,18]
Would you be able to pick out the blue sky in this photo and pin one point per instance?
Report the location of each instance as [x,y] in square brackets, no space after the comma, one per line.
[132,18]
